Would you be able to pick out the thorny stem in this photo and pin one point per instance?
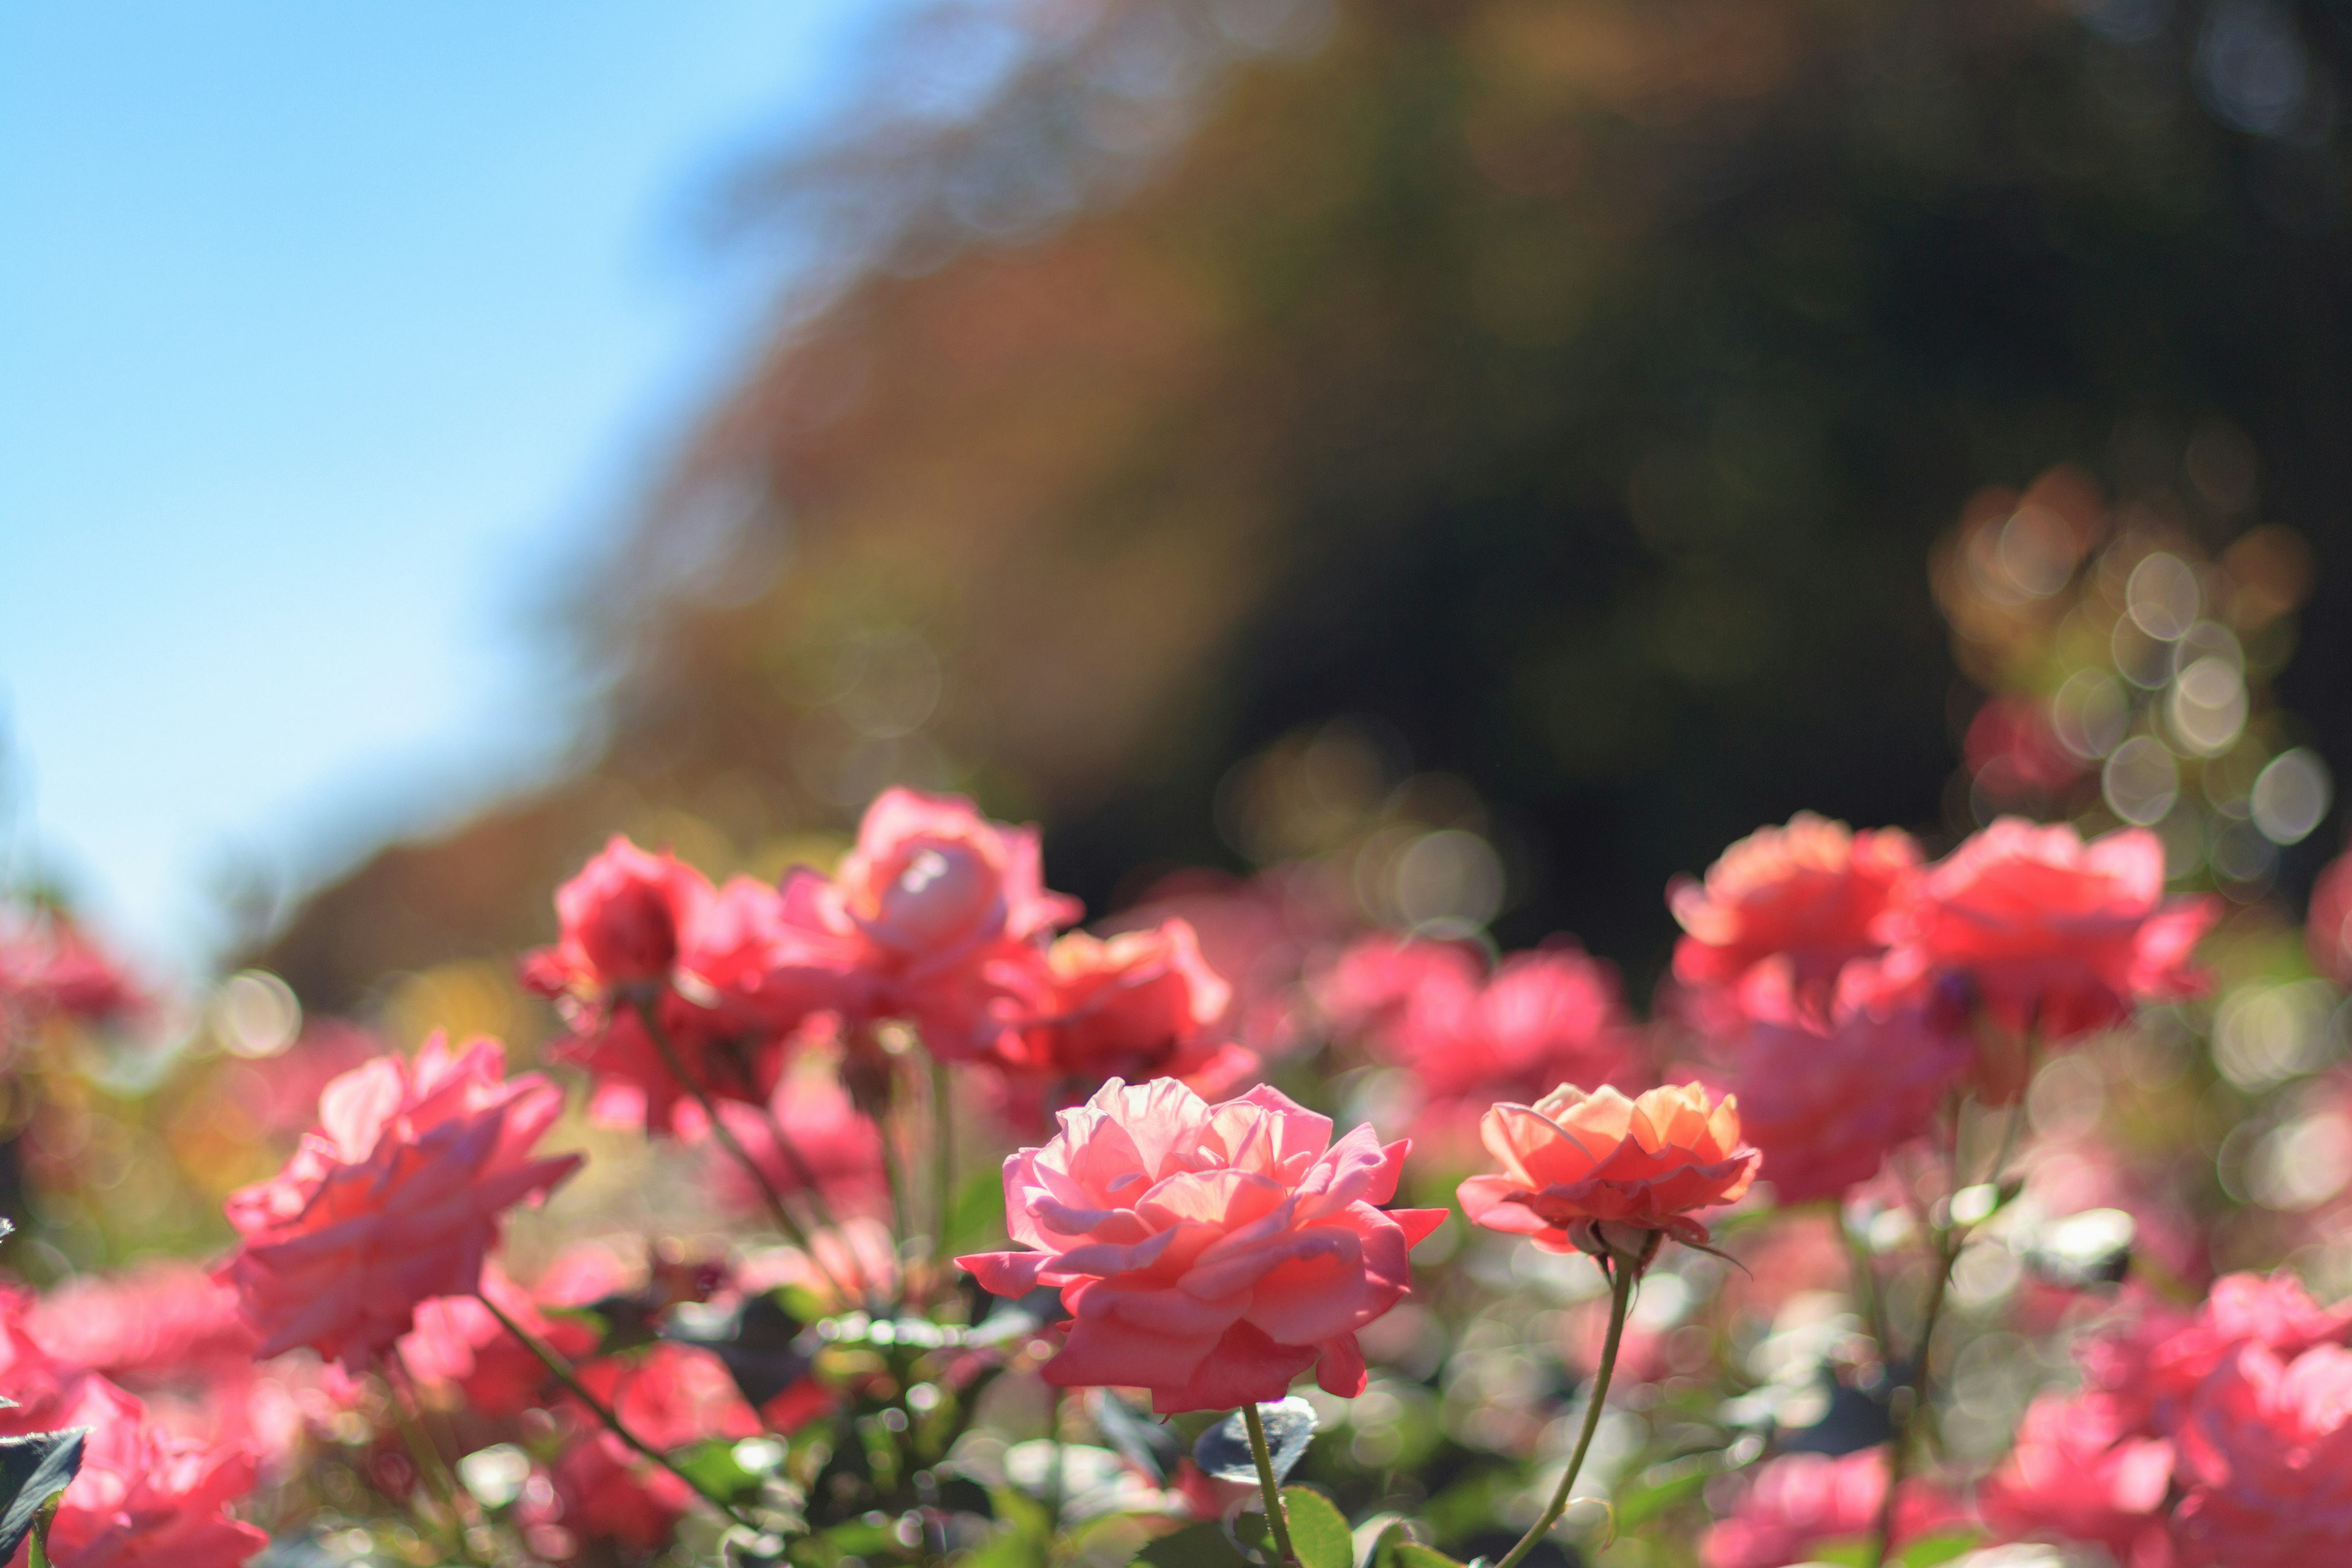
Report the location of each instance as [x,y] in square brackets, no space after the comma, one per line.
[561,1371]
[408,1416]
[793,1229]
[1275,1520]
[1623,1278]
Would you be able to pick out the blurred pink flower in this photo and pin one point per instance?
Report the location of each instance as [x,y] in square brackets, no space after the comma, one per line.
[164,1318]
[1573,1160]
[1802,1501]
[458,1343]
[2266,1455]
[857,1256]
[1826,1101]
[1259,936]
[2057,937]
[1210,1254]
[1469,1038]
[1804,898]
[2327,931]
[396,1197]
[2079,1472]
[734,980]
[2154,1360]
[834,1146]
[2012,753]
[1138,1006]
[50,969]
[933,897]
[145,1497]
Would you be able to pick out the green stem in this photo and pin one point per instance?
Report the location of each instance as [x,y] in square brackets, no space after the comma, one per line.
[563,1372]
[1621,1298]
[791,1229]
[1275,1520]
[408,1416]
[942,1157]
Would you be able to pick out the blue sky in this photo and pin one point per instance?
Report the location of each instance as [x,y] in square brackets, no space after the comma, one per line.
[332,336]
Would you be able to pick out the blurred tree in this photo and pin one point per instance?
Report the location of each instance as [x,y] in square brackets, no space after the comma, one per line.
[1566,393]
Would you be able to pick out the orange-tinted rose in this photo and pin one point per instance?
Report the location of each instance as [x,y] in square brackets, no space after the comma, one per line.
[1573,1160]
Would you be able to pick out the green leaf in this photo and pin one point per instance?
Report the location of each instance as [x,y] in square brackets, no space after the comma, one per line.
[1318,1530]
[1930,1549]
[1851,1552]
[1413,1554]
[1202,1545]
[976,1221]
[34,1470]
[712,1464]
[1643,1504]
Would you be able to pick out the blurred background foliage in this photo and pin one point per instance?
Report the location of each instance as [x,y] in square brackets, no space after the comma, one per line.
[1505,441]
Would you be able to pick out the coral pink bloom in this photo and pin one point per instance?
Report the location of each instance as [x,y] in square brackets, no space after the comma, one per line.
[2077,1473]
[2328,933]
[1469,1040]
[145,1498]
[1209,1253]
[671,1394]
[1138,1006]
[2267,1457]
[833,1147]
[395,1198]
[728,977]
[1806,896]
[2058,936]
[932,898]
[2153,1364]
[1572,1159]
[1827,1101]
[162,1319]
[1801,1502]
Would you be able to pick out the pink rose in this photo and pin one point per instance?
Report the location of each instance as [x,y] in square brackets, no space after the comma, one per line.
[1469,1038]
[2057,936]
[1805,897]
[161,1320]
[736,981]
[395,1198]
[2153,1363]
[458,1343]
[1572,1161]
[1140,1006]
[2266,1454]
[2079,1473]
[1827,1101]
[50,969]
[1804,1500]
[1209,1253]
[145,1497]
[927,920]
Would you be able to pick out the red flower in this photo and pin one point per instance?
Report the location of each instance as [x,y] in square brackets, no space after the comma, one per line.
[2079,1472]
[1210,1254]
[1469,1038]
[2267,1457]
[396,1198]
[1573,1160]
[146,1498]
[1806,897]
[457,1343]
[2153,1364]
[1138,1007]
[728,977]
[1804,1500]
[163,1319]
[2012,751]
[2057,936]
